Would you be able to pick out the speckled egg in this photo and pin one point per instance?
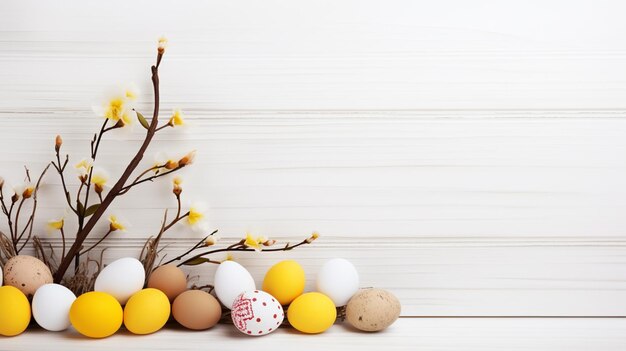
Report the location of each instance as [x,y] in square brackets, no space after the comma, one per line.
[257,313]
[26,273]
[372,310]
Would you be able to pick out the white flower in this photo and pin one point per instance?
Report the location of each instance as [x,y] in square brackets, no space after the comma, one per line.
[117,105]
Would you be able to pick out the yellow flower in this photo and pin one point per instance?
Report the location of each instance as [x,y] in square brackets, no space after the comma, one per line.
[162,44]
[56,224]
[115,224]
[83,166]
[252,242]
[196,215]
[117,106]
[177,119]
[114,109]
[128,117]
[178,181]
[130,91]
[313,236]
[99,179]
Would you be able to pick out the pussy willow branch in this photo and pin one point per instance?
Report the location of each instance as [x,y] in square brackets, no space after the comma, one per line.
[31,220]
[14,226]
[61,170]
[94,153]
[239,247]
[97,242]
[137,181]
[197,246]
[114,192]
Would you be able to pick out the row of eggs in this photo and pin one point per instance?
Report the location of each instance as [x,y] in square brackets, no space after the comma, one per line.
[254,312]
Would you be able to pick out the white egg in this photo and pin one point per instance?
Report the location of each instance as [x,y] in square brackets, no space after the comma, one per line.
[339,280]
[51,306]
[257,313]
[121,278]
[231,279]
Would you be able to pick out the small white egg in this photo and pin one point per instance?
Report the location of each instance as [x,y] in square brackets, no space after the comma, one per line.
[339,280]
[121,278]
[232,279]
[51,306]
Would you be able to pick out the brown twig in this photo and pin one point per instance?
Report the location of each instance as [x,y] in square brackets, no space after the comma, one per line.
[233,248]
[31,221]
[119,185]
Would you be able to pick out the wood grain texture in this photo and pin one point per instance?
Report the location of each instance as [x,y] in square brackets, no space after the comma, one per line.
[477,148]
[405,334]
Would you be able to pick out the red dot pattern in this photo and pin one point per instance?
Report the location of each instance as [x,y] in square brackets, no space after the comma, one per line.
[263,319]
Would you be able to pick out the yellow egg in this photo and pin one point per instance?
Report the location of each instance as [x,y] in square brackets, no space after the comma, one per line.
[312,313]
[14,311]
[146,311]
[96,314]
[285,281]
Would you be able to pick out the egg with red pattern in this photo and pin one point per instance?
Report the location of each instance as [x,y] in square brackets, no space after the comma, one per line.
[257,313]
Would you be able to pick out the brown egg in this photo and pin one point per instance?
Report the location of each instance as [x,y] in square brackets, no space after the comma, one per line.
[196,309]
[26,273]
[170,279]
[372,309]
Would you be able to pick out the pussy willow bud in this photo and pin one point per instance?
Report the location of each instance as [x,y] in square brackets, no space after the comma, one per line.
[187,159]
[28,192]
[98,188]
[177,190]
[269,242]
[162,45]
[312,238]
[58,141]
[171,164]
[83,178]
[210,241]
[15,197]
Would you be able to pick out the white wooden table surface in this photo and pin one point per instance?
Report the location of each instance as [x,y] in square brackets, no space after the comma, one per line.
[469,156]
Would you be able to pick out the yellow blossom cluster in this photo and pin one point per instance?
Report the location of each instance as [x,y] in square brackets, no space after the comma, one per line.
[117,106]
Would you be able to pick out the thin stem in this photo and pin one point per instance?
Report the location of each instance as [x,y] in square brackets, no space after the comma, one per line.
[35,199]
[13,234]
[176,220]
[4,206]
[96,244]
[242,248]
[197,245]
[149,179]
[94,153]
[63,237]
[61,169]
[115,191]
[163,127]
[142,174]
[103,129]
[17,218]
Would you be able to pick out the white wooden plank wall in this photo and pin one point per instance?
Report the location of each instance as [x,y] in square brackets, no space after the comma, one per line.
[468,155]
